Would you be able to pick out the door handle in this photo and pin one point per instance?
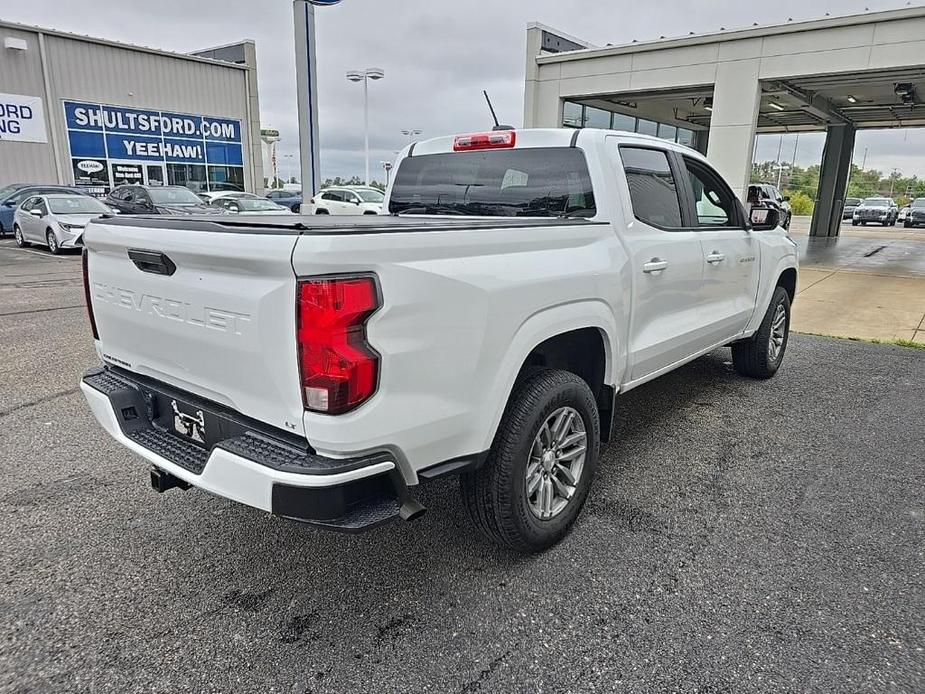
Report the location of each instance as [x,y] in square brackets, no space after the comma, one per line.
[715,257]
[655,265]
[154,262]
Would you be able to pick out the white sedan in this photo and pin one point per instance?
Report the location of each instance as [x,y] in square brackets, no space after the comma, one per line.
[56,220]
[353,200]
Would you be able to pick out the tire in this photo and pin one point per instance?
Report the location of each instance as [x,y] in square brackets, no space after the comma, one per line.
[854,223]
[754,357]
[496,495]
[20,240]
[52,242]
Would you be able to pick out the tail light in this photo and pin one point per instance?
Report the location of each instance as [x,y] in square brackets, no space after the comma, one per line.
[499,139]
[338,368]
[83,262]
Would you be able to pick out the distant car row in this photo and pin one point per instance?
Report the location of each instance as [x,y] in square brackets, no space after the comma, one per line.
[341,200]
[884,211]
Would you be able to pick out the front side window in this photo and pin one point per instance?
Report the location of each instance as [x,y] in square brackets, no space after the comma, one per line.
[529,182]
[653,191]
[714,201]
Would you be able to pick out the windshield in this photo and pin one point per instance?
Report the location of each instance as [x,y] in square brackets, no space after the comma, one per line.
[536,182]
[77,205]
[173,196]
[252,205]
[876,202]
[370,195]
[918,202]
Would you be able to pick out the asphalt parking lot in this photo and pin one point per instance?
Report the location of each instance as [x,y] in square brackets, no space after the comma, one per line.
[741,536]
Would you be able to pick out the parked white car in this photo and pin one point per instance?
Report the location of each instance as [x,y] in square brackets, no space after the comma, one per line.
[248,203]
[345,201]
[55,220]
[323,368]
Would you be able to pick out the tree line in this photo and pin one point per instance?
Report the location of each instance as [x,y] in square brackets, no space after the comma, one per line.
[335,182]
[801,184]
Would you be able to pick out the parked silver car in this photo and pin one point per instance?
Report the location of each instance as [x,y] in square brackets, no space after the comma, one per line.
[56,221]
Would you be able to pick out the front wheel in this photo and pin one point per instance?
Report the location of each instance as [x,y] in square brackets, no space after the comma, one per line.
[762,354]
[20,239]
[52,241]
[537,476]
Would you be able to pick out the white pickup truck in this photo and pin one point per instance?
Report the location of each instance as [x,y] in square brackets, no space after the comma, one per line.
[320,368]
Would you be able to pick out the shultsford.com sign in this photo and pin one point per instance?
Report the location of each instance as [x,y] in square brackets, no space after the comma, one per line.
[22,118]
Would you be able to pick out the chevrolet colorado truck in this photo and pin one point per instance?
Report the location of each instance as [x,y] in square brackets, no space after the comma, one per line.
[320,368]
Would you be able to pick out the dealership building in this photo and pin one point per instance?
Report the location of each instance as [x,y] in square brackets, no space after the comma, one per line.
[96,113]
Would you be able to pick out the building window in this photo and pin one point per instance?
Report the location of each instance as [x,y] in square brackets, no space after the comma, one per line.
[686,137]
[647,127]
[193,176]
[226,178]
[597,118]
[667,132]
[623,122]
[573,115]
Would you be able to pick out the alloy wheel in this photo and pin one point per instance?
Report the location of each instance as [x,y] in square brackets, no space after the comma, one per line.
[778,331]
[556,460]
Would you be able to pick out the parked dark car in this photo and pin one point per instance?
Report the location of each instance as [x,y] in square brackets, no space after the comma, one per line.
[172,200]
[882,211]
[12,195]
[851,204]
[916,215]
[287,198]
[768,195]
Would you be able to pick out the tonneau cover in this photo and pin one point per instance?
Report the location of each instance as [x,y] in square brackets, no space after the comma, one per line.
[328,224]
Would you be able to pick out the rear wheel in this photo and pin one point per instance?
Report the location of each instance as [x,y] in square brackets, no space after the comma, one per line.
[20,239]
[537,476]
[762,354]
[52,241]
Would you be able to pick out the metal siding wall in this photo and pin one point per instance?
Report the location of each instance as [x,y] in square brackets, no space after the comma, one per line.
[81,70]
[21,73]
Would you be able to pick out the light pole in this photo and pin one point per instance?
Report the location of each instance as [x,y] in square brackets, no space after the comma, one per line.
[411,134]
[387,167]
[288,166]
[364,76]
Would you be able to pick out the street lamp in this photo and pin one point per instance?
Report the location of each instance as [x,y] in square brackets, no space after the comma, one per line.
[411,134]
[364,76]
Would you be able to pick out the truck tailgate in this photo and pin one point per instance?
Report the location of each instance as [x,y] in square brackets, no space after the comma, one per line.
[220,325]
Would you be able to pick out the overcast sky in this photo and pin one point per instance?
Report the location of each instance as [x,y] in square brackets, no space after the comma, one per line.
[437,57]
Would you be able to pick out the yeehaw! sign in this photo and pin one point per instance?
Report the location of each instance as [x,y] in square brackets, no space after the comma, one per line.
[22,118]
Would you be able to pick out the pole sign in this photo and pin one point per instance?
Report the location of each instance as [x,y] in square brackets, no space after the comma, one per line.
[22,118]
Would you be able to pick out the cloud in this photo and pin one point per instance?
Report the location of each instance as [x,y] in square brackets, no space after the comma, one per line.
[438,56]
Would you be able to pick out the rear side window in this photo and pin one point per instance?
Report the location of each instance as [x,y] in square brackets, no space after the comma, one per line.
[536,182]
[653,190]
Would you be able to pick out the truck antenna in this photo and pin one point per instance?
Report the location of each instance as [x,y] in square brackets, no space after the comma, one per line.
[494,117]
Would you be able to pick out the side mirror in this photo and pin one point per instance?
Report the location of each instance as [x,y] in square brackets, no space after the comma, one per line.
[114,210]
[764,218]
[234,209]
[786,198]
[355,202]
[36,212]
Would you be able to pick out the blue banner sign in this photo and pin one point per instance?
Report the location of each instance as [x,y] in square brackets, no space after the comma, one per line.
[129,134]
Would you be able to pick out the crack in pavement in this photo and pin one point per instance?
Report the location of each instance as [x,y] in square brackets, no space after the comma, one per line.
[38,401]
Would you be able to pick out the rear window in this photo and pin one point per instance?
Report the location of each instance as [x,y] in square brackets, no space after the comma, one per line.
[538,182]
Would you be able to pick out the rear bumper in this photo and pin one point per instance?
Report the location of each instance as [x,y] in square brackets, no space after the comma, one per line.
[249,466]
